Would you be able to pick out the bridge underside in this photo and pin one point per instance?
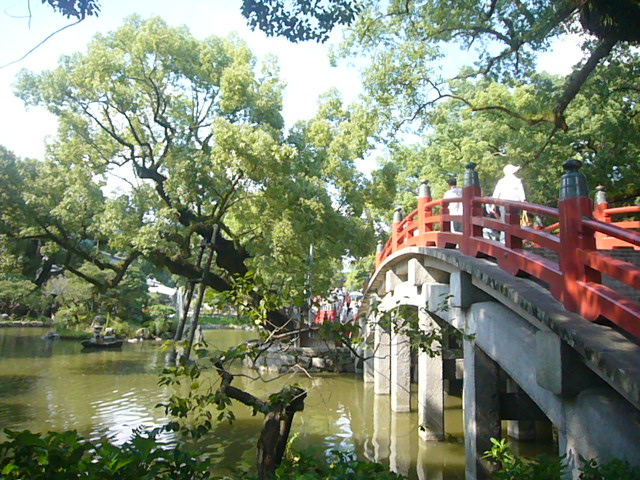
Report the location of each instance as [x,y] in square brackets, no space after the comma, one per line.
[523,358]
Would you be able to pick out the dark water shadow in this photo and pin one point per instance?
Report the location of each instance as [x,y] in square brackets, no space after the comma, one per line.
[25,346]
[12,385]
[232,447]
[17,412]
[102,366]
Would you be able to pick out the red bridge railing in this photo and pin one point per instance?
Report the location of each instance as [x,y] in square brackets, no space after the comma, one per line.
[570,257]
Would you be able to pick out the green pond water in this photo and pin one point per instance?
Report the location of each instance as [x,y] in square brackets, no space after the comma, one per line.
[53,386]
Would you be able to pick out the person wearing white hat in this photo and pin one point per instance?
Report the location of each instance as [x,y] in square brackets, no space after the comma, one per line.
[509,187]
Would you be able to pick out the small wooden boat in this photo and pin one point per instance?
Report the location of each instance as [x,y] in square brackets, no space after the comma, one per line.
[100,342]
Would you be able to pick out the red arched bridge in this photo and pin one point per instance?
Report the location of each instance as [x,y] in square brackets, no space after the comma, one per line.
[570,256]
[549,317]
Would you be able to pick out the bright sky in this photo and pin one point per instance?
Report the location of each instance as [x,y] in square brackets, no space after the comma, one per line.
[304,67]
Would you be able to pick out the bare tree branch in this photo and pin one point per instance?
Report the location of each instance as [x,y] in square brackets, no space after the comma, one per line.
[577,79]
[40,43]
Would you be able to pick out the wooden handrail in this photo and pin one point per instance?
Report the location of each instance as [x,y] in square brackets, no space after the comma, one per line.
[623,210]
[613,230]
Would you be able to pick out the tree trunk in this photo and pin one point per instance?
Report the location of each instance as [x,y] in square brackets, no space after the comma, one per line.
[275,434]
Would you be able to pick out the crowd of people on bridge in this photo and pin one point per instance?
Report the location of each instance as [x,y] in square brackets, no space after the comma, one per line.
[339,306]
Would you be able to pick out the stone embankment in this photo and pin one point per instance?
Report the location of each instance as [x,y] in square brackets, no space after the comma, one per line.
[5,321]
[303,359]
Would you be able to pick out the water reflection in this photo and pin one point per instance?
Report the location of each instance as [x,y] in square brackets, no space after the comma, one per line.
[393,439]
[14,384]
[107,394]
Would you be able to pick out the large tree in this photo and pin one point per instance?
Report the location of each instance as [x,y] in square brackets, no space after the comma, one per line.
[463,77]
[195,127]
[408,41]
[505,35]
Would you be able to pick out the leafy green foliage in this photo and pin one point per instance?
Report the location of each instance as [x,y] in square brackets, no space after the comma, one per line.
[162,318]
[500,40]
[195,127]
[20,297]
[75,8]
[603,135]
[339,465]
[544,467]
[252,298]
[496,108]
[615,469]
[80,300]
[299,20]
[68,456]
[359,272]
[194,403]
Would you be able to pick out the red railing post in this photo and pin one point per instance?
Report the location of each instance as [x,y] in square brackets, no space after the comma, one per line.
[574,205]
[512,218]
[470,190]
[601,205]
[397,218]
[600,213]
[424,197]
[379,250]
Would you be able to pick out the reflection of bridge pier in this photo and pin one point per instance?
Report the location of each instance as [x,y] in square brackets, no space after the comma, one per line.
[400,448]
[526,357]
[430,388]
[381,428]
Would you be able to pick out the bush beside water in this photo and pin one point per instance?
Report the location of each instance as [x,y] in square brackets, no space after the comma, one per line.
[67,455]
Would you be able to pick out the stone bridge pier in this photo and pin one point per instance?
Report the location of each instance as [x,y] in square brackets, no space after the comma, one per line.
[520,355]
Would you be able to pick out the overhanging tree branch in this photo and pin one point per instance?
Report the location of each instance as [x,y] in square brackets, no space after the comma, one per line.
[577,79]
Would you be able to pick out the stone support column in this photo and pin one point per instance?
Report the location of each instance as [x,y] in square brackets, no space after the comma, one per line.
[400,371]
[381,361]
[367,351]
[521,430]
[430,388]
[481,401]
[367,366]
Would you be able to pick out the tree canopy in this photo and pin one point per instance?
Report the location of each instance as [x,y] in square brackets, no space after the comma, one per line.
[503,38]
[460,81]
[494,109]
[75,8]
[604,136]
[194,127]
[505,35]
